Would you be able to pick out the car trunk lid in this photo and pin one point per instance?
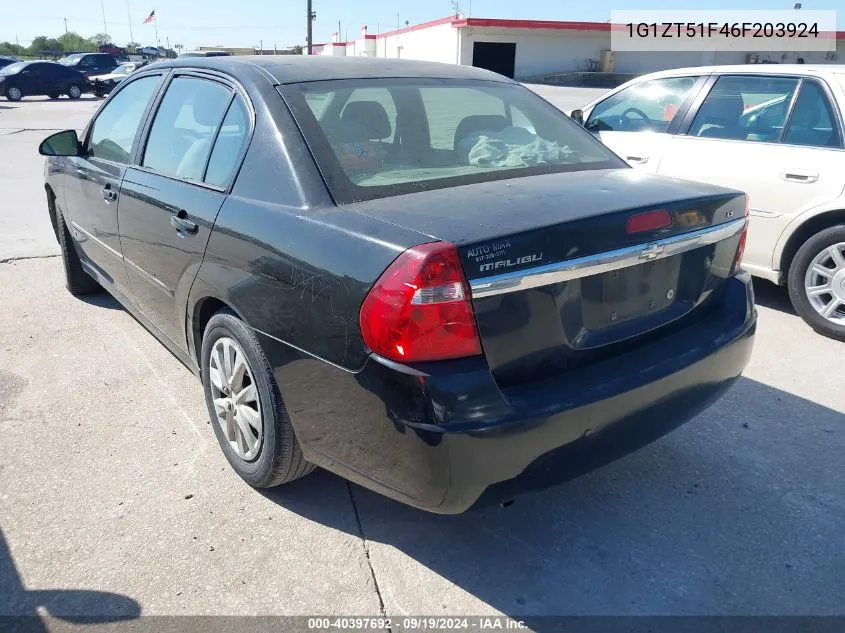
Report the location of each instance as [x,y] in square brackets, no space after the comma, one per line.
[564,272]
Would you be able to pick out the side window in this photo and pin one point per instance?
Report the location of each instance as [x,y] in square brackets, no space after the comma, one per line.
[812,121]
[649,105]
[228,145]
[116,127]
[88,61]
[745,108]
[185,126]
[455,113]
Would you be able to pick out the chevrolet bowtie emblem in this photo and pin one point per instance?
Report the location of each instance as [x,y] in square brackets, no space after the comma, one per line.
[652,251]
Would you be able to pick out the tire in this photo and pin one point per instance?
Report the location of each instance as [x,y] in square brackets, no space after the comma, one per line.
[13,93]
[74,91]
[818,250]
[279,457]
[78,282]
[53,95]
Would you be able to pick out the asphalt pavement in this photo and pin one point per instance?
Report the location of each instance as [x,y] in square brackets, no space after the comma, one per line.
[116,500]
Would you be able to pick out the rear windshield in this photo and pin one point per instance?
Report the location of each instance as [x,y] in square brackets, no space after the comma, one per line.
[385,137]
[71,60]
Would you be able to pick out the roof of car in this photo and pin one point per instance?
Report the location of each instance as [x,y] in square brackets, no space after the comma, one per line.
[287,69]
[752,69]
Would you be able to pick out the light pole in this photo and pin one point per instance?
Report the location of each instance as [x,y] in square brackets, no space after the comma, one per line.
[310,18]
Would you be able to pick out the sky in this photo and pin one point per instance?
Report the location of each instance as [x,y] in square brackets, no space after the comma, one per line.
[282,22]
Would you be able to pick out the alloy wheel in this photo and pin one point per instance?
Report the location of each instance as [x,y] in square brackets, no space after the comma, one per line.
[74,92]
[13,93]
[235,396]
[824,283]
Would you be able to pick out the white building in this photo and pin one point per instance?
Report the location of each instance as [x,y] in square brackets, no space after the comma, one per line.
[526,48]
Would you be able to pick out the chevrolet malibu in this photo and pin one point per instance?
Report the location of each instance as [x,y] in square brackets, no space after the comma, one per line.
[421,277]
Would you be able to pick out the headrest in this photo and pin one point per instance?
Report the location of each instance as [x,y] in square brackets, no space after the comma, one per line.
[479,123]
[364,121]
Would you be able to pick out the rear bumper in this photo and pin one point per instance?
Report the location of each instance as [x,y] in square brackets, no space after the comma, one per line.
[444,438]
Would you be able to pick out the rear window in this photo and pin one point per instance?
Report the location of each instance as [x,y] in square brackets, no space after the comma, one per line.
[384,137]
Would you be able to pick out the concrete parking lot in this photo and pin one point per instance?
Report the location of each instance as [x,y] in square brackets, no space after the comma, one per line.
[115,498]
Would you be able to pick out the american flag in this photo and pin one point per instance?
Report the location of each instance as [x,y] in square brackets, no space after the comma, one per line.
[151,17]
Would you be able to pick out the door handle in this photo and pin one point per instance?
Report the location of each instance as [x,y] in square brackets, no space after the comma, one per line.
[109,194]
[638,160]
[182,224]
[800,175]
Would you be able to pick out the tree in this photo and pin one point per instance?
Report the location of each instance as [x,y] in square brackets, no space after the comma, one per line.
[7,48]
[131,47]
[43,45]
[75,42]
[101,38]
[296,50]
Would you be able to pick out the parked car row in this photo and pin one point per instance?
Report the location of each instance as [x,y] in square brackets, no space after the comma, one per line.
[420,276]
[775,132]
[23,79]
[76,74]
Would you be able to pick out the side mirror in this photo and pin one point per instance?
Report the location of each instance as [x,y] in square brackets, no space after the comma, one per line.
[60,144]
[577,116]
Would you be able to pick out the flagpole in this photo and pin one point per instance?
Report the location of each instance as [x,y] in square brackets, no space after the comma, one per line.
[155,23]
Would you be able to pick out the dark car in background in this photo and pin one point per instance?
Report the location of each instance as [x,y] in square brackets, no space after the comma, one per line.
[27,79]
[420,276]
[92,64]
[5,60]
[104,84]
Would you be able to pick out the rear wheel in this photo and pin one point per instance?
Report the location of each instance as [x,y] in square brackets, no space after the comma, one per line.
[247,411]
[74,91]
[13,93]
[78,282]
[53,95]
[817,282]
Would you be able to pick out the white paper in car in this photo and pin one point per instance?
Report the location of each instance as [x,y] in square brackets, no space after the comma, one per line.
[512,147]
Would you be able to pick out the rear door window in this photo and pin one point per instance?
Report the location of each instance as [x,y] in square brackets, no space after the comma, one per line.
[646,106]
[745,108]
[185,127]
[228,144]
[812,121]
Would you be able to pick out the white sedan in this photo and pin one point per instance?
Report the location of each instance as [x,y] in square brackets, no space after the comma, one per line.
[774,131]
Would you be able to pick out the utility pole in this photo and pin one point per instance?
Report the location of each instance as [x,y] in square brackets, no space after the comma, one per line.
[105,26]
[260,47]
[129,15]
[310,18]
[65,26]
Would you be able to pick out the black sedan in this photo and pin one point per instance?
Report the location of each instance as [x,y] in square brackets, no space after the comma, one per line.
[422,277]
[26,79]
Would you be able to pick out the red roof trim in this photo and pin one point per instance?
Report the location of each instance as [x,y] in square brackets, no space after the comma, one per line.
[336,44]
[418,27]
[532,24]
[369,37]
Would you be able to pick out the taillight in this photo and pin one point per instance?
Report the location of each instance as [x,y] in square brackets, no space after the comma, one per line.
[420,308]
[648,221]
[740,249]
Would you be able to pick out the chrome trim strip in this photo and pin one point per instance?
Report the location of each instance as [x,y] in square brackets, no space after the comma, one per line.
[602,262]
[150,277]
[97,241]
[763,213]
